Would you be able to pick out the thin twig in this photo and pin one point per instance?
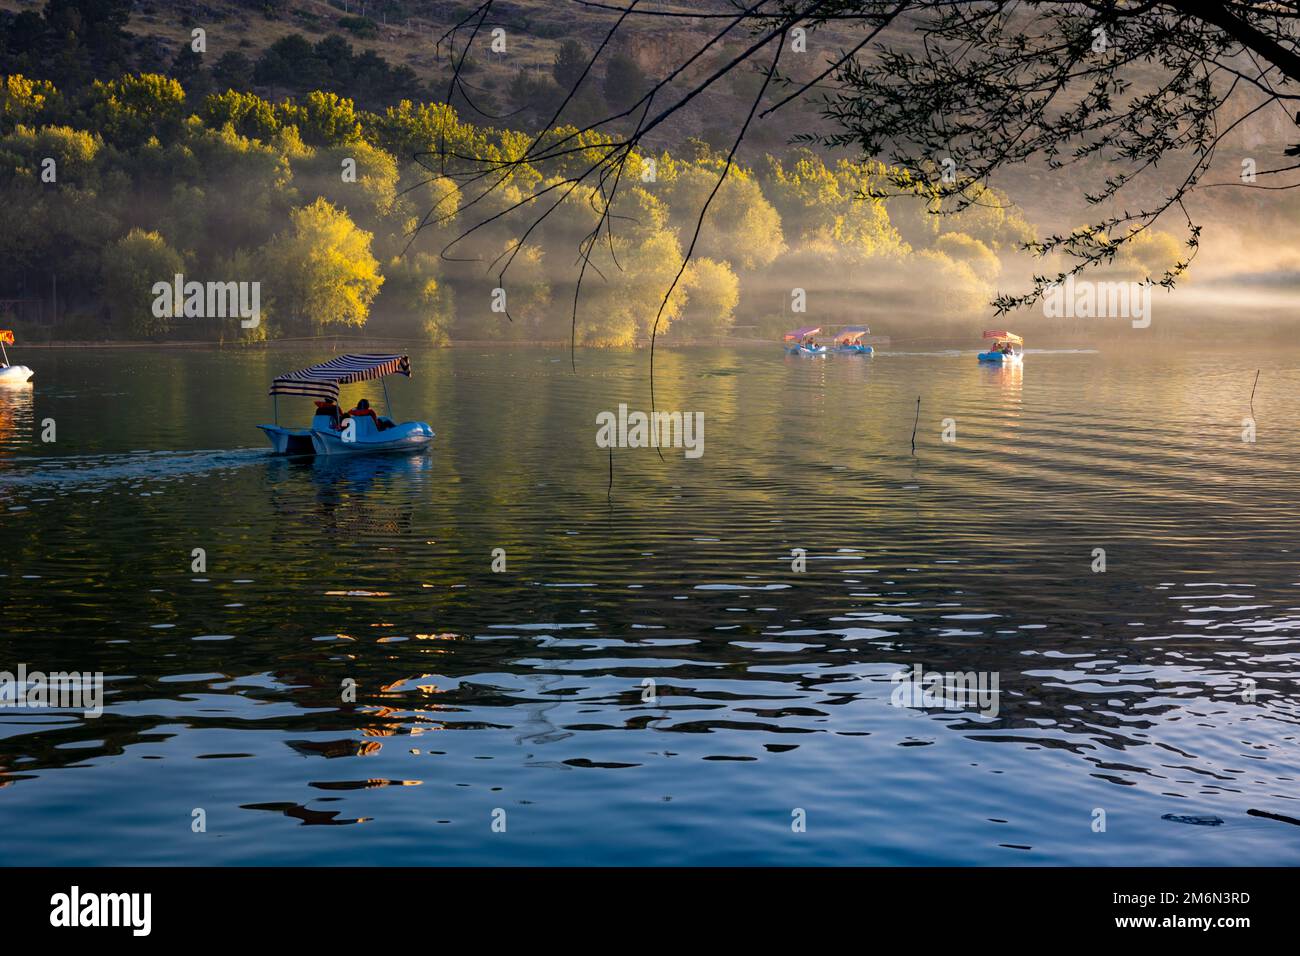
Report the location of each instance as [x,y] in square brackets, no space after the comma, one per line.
[915,423]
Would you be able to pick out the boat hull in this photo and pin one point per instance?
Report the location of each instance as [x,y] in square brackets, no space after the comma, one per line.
[289,441]
[1001,358]
[803,350]
[855,350]
[408,436]
[15,375]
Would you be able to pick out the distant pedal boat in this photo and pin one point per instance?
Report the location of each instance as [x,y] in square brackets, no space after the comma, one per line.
[331,434]
[11,374]
[1008,348]
[800,341]
[848,341]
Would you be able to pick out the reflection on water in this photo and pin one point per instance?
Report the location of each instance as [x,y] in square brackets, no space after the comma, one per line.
[348,494]
[16,420]
[652,674]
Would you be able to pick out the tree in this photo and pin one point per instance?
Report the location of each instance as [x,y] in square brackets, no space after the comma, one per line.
[323,119]
[368,197]
[1117,89]
[414,302]
[247,113]
[323,269]
[712,293]
[336,53]
[135,107]
[75,153]
[625,81]
[131,266]
[289,61]
[84,38]
[233,71]
[570,62]
[187,69]
[744,228]
[23,101]
[533,96]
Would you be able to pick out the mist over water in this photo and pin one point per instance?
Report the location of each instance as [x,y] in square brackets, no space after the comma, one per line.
[525,690]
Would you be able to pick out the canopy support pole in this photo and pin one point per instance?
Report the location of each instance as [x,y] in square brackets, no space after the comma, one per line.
[388,405]
[275,404]
[5,353]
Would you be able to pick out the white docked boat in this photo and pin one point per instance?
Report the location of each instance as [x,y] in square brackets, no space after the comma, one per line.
[12,374]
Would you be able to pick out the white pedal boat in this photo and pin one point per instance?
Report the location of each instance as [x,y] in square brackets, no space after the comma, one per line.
[364,437]
[333,432]
[11,374]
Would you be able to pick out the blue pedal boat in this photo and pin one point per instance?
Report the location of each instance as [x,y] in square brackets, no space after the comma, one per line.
[333,432]
[1008,348]
[801,342]
[848,341]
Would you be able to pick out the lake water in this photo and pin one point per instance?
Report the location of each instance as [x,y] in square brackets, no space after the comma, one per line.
[652,679]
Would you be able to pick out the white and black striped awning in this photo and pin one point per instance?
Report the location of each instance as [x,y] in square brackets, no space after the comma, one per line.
[323,381]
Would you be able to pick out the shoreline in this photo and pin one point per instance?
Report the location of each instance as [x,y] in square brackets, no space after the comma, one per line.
[339,345]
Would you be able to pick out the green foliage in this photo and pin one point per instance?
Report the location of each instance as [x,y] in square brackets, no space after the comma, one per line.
[323,119]
[712,294]
[625,82]
[74,153]
[187,69]
[833,203]
[963,248]
[361,26]
[369,197]
[131,266]
[1148,253]
[247,189]
[247,113]
[133,107]
[413,302]
[24,101]
[570,61]
[533,98]
[295,64]
[323,272]
[741,226]
[233,71]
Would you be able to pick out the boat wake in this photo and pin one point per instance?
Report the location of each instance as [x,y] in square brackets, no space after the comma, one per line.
[93,472]
[896,353]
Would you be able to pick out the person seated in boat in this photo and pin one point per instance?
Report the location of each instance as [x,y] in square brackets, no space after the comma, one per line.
[363,409]
[330,408]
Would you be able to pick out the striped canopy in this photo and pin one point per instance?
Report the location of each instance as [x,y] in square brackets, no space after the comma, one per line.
[323,381]
[1003,336]
[802,333]
[6,336]
[851,333]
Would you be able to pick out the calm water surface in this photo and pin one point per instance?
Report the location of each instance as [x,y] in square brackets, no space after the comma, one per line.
[1127,691]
